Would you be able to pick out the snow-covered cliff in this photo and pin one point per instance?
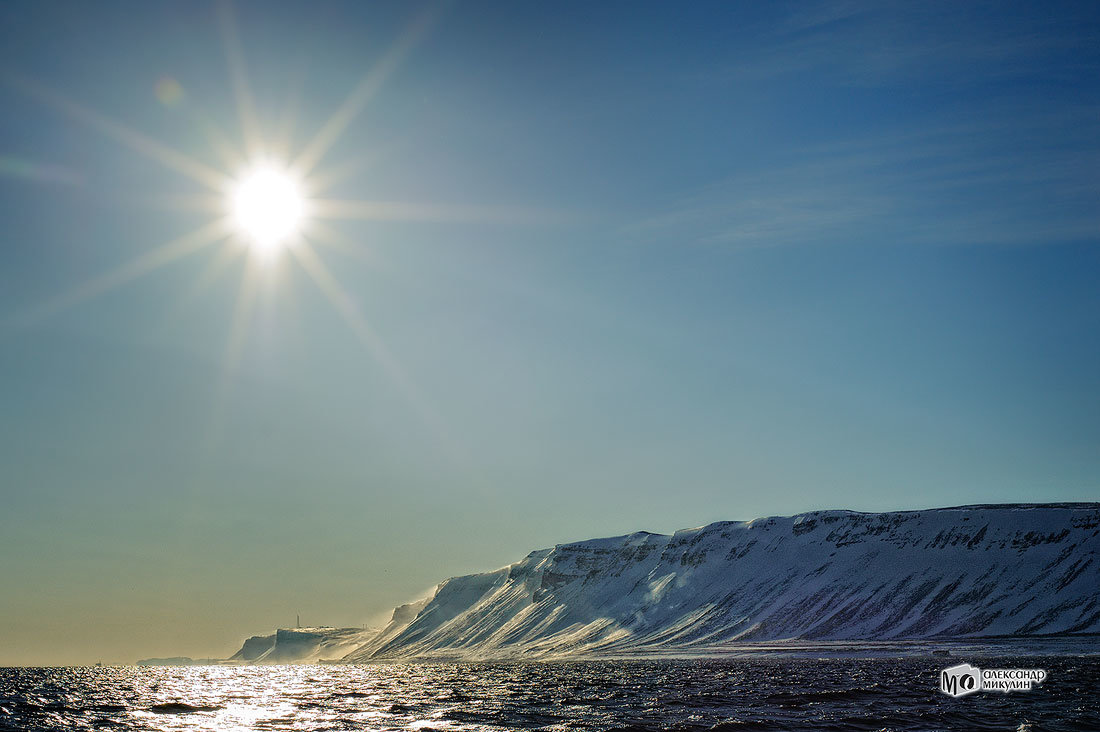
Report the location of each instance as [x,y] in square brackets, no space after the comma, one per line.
[302,645]
[971,571]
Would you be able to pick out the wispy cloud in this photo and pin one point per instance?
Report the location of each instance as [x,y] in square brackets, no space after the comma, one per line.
[941,123]
[873,43]
[1019,180]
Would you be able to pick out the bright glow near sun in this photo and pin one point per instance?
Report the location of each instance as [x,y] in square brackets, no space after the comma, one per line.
[267,206]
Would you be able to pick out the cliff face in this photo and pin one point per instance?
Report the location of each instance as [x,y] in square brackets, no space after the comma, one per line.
[302,645]
[828,575]
[254,648]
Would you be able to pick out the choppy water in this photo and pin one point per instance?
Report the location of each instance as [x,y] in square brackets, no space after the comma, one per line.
[753,694]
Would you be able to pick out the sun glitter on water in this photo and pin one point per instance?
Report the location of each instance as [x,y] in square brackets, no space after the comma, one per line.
[268,207]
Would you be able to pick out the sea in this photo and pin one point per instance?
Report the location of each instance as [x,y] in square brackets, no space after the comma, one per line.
[630,695]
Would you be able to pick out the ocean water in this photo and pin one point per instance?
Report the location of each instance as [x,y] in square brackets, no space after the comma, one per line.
[734,694]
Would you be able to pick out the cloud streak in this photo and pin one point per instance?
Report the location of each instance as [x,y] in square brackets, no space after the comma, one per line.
[1016,180]
[878,43]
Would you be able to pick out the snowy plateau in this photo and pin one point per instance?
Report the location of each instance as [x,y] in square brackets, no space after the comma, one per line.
[1013,570]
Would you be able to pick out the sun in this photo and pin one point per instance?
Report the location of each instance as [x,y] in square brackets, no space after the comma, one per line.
[268,207]
[274,203]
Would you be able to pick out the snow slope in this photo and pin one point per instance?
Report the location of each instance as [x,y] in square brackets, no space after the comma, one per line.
[972,571]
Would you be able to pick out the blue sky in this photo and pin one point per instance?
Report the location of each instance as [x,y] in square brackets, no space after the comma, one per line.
[652,266]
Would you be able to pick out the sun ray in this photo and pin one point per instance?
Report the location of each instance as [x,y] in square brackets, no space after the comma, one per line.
[322,180]
[283,137]
[136,141]
[242,315]
[343,305]
[230,156]
[213,271]
[135,268]
[231,356]
[337,209]
[12,167]
[184,202]
[335,240]
[331,131]
[242,91]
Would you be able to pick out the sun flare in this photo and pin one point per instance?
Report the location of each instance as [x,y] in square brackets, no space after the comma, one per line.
[268,207]
[273,204]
